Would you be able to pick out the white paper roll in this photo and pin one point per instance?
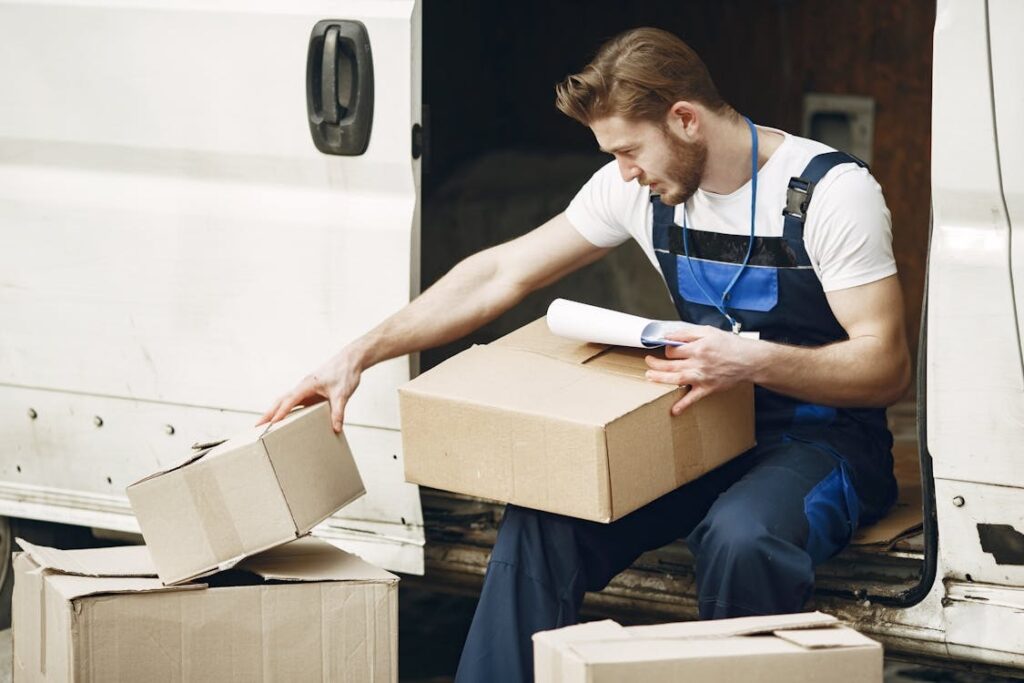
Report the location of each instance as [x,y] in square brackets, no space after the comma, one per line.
[584,322]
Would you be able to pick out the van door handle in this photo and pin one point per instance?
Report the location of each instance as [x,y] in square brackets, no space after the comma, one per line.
[339,87]
[329,104]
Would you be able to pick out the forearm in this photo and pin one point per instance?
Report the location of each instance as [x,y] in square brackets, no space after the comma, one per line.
[474,292]
[468,296]
[864,371]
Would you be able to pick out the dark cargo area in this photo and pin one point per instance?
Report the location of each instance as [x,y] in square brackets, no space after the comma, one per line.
[501,159]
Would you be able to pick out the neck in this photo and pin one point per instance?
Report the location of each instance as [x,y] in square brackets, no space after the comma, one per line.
[729,149]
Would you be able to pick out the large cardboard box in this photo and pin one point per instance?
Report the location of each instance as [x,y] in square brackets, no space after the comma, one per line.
[796,648]
[564,426]
[305,611]
[249,493]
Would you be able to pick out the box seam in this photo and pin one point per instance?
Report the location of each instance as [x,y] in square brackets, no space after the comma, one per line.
[608,475]
[277,479]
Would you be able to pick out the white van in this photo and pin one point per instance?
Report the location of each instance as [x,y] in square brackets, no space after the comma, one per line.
[199,201]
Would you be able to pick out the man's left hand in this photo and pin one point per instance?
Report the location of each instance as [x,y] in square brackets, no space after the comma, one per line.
[711,360]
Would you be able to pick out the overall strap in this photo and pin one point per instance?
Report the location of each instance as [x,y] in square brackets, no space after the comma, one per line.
[664,217]
[801,189]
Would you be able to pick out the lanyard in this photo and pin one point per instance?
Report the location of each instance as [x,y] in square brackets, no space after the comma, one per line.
[735,324]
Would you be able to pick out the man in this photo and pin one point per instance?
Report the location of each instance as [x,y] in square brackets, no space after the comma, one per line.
[724,210]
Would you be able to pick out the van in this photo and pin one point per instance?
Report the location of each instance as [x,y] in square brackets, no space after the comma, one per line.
[199,201]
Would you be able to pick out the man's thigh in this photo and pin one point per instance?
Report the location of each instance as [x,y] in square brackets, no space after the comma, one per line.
[794,492]
[608,549]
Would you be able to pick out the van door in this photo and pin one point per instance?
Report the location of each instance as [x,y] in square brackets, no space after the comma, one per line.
[177,251]
[975,411]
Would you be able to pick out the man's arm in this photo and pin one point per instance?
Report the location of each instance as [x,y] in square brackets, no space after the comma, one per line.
[474,292]
[871,368]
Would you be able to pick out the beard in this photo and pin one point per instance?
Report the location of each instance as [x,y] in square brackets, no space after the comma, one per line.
[687,161]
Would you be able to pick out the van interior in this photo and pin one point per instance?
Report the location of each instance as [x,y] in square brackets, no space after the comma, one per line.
[500,160]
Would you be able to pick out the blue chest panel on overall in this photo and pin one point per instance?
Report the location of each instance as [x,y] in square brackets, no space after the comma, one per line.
[778,295]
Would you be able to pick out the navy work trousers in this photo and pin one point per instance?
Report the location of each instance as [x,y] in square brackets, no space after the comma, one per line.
[756,526]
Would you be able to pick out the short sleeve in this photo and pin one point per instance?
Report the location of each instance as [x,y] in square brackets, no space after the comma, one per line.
[600,210]
[849,230]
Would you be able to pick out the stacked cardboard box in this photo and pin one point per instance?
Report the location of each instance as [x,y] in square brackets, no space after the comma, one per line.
[797,648]
[242,593]
[305,611]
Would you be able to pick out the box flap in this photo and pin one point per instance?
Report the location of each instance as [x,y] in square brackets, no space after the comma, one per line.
[619,360]
[312,559]
[206,445]
[549,647]
[129,560]
[803,648]
[537,338]
[816,638]
[76,574]
[588,630]
[214,447]
[742,626]
[75,587]
[193,455]
[623,360]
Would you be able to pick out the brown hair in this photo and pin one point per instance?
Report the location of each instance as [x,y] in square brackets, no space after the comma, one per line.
[638,75]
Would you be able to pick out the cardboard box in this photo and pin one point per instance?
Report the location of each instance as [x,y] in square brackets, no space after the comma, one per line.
[249,493]
[101,615]
[796,648]
[564,426]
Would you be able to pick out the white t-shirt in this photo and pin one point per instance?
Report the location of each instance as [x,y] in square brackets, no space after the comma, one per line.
[847,233]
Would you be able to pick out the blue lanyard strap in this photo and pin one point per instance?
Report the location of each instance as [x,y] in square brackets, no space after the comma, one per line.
[750,245]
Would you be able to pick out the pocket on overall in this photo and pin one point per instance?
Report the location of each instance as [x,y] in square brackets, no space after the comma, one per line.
[832,508]
[756,290]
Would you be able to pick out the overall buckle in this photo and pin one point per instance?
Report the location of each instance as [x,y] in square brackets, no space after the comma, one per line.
[798,198]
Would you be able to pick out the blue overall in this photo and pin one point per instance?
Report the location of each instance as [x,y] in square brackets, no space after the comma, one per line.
[758,525]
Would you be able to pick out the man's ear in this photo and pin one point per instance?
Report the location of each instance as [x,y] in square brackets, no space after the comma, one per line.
[684,118]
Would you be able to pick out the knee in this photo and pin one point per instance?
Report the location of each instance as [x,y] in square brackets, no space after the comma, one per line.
[731,540]
[542,548]
[528,532]
[520,522]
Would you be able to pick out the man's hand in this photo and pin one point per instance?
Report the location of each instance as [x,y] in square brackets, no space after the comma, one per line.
[870,368]
[334,381]
[711,360]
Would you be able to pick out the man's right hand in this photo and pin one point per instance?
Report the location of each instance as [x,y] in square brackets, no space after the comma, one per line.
[334,381]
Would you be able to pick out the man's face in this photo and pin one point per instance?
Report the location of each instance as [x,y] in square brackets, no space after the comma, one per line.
[653,155]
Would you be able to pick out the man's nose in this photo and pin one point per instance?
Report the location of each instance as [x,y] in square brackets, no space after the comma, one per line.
[629,170]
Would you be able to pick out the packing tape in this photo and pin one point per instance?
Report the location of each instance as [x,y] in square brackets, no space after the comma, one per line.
[220,533]
[686,431]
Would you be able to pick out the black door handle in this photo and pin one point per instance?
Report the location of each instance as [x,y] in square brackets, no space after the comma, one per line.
[339,87]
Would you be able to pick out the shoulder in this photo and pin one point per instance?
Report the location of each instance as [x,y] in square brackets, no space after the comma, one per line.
[848,188]
[848,233]
[608,180]
[841,182]
[608,210]
[608,192]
